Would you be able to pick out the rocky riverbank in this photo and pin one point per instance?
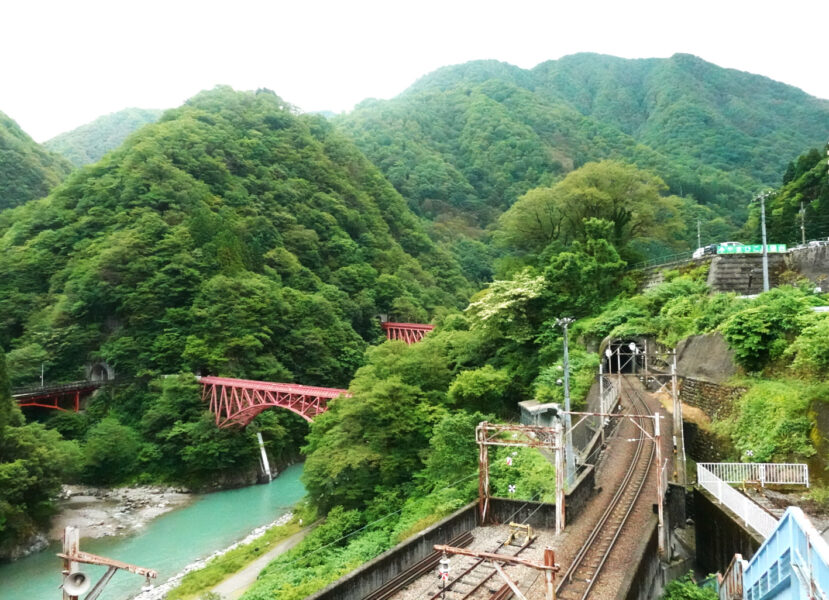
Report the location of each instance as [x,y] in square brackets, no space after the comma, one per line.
[100,512]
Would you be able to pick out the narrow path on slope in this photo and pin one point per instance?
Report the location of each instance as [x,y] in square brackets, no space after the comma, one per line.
[235,585]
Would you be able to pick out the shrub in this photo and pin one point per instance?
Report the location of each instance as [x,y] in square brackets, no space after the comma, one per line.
[773,424]
[761,332]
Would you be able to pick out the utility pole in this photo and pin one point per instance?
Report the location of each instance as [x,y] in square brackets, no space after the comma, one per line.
[802,224]
[679,436]
[699,236]
[568,434]
[762,197]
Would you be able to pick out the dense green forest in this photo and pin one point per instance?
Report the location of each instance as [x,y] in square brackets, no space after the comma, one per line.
[27,170]
[88,143]
[233,237]
[802,200]
[463,143]
[237,237]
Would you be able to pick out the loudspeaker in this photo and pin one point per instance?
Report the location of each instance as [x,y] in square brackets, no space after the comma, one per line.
[76,583]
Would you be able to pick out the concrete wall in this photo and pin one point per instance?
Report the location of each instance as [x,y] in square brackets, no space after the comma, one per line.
[539,514]
[717,402]
[743,273]
[367,578]
[719,535]
[703,446]
[653,276]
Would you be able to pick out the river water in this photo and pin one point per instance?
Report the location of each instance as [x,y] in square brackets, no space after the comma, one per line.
[166,544]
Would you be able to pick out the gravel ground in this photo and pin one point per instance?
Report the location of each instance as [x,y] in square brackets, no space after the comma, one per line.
[611,467]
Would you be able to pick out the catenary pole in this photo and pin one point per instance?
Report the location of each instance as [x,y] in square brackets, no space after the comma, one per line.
[568,434]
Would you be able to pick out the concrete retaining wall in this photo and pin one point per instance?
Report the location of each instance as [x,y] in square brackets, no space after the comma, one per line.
[703,446]
[719,535]
[367,578]
[743,273]
[543,515]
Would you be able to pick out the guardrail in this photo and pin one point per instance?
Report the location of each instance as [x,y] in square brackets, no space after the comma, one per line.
[750,513]
[608,396]
[55,388]
[762,473]
[731,583]
[663,260]
[793,562]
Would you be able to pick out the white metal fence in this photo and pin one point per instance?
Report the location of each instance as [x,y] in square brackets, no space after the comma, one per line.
[749,512]
[609,395]
[762,473]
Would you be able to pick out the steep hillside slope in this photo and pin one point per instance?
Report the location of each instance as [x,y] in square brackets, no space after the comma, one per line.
[231,237]
[88,143]
[27,170]
[473,137]
[686,107]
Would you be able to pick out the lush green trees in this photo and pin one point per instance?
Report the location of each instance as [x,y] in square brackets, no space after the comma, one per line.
[762,332]
[33,463]
[88,143]
[684,588]
[627,198]
[27,170]
[802,200]
[475,137]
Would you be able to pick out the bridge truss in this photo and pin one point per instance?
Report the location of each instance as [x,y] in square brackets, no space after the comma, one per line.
[238,401]
[406,332]
[63,397]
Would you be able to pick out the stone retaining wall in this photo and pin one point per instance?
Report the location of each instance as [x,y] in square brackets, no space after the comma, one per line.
[714,399]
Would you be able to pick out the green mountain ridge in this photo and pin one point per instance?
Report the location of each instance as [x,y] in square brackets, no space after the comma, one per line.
[474,137]
[232,237]
[88,143]
[27,170]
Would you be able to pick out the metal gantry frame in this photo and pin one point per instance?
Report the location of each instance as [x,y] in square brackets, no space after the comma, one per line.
[656,438]
[534,436]
[548,567]
[667,358]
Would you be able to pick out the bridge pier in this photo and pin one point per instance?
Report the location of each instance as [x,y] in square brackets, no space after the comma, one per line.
[266,467]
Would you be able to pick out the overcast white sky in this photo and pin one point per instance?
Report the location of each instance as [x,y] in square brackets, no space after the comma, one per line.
[64,63]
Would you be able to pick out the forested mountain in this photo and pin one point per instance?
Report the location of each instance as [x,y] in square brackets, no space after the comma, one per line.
[27,170]
[474,137]
[88,143]
[802,199]
[231,237]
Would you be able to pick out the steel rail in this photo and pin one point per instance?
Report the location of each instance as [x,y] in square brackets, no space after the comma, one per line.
[599,534]
[526,545]
[420,568]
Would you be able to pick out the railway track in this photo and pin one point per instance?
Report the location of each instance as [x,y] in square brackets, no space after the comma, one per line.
[583,572]
[473,582]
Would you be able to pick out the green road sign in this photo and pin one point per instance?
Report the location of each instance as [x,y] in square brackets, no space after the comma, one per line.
[751,249]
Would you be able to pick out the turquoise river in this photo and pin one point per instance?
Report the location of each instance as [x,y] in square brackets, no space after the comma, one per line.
[167,544]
